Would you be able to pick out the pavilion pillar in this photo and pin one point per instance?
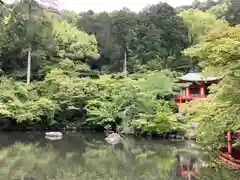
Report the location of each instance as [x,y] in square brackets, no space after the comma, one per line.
[180,100]
[202,91]
[187,92]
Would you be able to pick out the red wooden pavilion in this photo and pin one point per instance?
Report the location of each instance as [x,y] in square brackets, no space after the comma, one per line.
[195,86]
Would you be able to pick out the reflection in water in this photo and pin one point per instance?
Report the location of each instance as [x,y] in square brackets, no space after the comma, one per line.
[89,157]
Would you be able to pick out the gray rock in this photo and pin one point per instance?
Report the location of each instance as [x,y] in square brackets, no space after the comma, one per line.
[53,134]
[113,139]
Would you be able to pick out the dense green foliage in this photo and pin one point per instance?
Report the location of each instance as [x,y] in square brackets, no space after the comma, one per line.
[219,54]
[199,24]
[62,47]
[134,102]
[64,97]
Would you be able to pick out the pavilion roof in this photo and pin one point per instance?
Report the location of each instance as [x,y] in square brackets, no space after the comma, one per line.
[197,77]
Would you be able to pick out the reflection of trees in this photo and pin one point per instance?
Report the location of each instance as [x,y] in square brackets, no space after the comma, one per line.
[152,164]
[20,160]
[78,157]
[218,173]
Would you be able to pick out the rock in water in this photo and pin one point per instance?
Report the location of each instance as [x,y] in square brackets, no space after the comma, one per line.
[113,139]
[53,134]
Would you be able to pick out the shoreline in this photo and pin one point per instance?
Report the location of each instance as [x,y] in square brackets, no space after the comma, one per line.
[167,135]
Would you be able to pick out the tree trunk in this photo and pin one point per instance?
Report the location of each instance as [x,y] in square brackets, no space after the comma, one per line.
[29,47]
[125,63]
[29,64]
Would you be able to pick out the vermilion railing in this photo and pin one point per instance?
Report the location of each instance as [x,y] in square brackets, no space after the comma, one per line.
[179,99]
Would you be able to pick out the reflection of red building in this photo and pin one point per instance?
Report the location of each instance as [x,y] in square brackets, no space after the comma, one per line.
[195,86]
[186,166]
[229,154]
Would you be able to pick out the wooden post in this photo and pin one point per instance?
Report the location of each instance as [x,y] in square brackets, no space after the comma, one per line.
[229,142]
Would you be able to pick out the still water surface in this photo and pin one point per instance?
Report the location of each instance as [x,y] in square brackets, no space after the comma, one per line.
[30,156]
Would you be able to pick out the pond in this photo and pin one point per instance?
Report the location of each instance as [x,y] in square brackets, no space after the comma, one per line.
[87,156]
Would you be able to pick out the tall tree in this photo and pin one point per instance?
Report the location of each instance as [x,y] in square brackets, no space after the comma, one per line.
[99,24]
[154,33]
[51,37]
[28,30]
[221,9]
[199,24]
[233,14]
[125,30]
[162,34]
